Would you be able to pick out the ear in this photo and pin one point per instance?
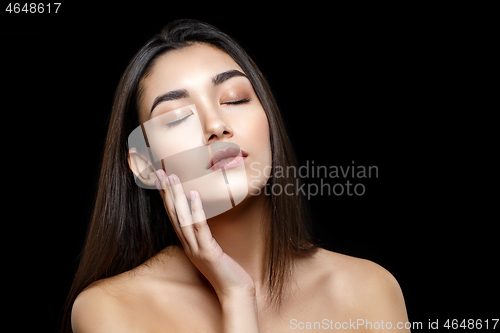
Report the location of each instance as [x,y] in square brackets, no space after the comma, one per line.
[141,167]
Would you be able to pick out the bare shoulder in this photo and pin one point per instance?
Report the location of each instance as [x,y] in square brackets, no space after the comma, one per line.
[136,300]
[366,287]
[98,308]
[355,271]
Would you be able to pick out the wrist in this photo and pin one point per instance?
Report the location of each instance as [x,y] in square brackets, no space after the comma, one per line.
[239,313]
[229,294]
[237,298]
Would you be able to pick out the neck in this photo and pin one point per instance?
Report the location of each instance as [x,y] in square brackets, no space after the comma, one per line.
[241,233]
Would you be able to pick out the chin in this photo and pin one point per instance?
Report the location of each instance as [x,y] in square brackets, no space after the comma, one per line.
[216,195]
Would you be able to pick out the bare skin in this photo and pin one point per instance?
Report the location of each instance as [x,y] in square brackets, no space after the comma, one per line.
[168,294]
[216,281]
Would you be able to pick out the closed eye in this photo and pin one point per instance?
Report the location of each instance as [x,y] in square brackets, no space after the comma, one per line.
[178,121]
[240,101]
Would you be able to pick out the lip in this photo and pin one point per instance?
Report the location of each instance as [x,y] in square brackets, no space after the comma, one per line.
[227,158]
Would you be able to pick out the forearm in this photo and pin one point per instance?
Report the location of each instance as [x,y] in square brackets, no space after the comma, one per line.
[239,314]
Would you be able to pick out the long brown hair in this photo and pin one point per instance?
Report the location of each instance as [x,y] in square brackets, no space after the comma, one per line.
[129,224]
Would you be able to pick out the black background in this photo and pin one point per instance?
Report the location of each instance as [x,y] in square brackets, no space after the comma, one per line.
[404,89]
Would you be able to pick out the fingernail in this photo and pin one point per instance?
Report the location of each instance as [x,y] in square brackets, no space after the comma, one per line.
[192,195]
[170,180]
[175,180]
[159,175]
[158,185]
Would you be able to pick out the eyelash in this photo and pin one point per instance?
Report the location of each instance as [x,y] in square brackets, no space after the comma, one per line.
[177,122]
[241,101]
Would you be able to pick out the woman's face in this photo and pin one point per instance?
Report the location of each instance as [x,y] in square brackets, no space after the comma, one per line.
[204,121]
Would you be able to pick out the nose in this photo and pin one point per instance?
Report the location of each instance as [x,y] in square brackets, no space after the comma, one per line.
[215,127]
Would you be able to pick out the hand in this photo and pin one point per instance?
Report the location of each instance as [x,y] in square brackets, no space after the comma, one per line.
[227,277]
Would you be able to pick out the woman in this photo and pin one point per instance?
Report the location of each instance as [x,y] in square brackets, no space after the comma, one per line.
[153,263]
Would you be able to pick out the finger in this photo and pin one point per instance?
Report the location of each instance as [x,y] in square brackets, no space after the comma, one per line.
[203,233]
[183,212]
[167,196]
[180,201]
[168,201]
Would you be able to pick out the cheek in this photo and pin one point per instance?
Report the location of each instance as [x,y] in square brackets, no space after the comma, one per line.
[262,139]
[260,163]
[166,141]
[262,129]
[256,131]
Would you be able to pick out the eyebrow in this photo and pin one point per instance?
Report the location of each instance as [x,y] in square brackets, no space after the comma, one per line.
[224,76]
[171,95]
[182,93]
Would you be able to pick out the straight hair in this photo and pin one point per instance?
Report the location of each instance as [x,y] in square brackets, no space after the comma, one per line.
[129,224]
